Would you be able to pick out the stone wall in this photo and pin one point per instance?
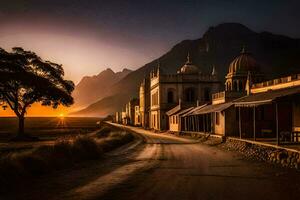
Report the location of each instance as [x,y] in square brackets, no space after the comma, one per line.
[278,156]
[283,157]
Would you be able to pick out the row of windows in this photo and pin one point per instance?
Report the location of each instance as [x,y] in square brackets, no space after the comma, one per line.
[189,95]
[174,119]
[236,86]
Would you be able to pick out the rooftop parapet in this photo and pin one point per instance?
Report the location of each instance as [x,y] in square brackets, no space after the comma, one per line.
[275,84]
[225,96]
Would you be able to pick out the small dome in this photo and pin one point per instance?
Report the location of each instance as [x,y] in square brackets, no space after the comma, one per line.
[243,64]
[189,68]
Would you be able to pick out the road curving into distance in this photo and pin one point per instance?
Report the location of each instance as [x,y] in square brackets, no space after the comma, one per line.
[162,166]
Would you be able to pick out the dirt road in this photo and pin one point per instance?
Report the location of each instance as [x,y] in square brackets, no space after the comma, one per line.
[168,167]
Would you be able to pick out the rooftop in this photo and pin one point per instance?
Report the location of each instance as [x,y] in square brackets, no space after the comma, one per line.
[266,97]
[279,83]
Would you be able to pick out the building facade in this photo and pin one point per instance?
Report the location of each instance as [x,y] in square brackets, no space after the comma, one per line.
[220,116]
[189,85]
[129,118]
[271,110]
[137,116]
[118,117]
[144,93]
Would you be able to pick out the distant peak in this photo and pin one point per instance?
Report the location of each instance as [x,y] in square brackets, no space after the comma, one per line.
[109,69]
[106,71]
[229,28]
[232,24]
[126,69]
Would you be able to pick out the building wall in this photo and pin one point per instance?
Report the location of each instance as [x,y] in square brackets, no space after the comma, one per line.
[231,122]
[154,122]
[142,104]
[137,116]
[179,84]
[118,117]
[124,118]
[228,123]
[219,128]
[296,116]
[154,105]
[144,94]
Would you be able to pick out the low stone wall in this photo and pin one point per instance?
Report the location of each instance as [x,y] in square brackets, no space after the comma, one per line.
[281,156]
[253,150]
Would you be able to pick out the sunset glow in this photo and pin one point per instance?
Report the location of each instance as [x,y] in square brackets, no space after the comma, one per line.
[36,110]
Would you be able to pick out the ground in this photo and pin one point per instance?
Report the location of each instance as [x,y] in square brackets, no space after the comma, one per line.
[161,166]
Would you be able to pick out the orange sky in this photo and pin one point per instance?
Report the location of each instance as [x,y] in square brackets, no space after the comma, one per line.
[81,51]
[37,110]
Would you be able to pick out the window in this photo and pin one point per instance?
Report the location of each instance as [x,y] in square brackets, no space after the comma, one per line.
[153,120]
[170,96]
[190,94]
[237,113]
[176,119]
[154,99]
[206,94]
[217,118]
[241,87]
[234,86]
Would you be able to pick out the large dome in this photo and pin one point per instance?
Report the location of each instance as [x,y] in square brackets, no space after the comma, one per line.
[243,64]
[189,68]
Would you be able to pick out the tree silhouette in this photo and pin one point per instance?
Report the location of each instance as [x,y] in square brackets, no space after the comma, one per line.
[25,79]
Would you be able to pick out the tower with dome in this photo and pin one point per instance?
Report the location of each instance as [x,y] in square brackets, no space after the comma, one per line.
[238,72]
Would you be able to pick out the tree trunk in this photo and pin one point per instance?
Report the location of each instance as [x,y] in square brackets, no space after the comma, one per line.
[21,126]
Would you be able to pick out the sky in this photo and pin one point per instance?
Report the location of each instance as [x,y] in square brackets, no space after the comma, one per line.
[87,36]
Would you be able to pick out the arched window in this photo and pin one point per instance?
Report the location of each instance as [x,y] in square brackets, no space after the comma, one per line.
[241,87]
[170,96]
[234,86]
[190,95]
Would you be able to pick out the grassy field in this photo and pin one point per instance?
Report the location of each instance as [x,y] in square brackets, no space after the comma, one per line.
[48,127]
[19,167]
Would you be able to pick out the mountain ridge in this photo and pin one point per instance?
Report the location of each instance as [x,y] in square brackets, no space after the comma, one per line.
[91,87]
[219,45]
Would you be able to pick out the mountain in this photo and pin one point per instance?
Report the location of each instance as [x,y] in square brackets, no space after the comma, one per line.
[277,54]
[92,88]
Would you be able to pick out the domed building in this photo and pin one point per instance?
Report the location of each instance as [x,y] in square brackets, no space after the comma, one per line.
[238,72]
[189,68]
[187,86]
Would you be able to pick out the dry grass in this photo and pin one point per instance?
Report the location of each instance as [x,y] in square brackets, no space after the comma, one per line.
[63,154]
